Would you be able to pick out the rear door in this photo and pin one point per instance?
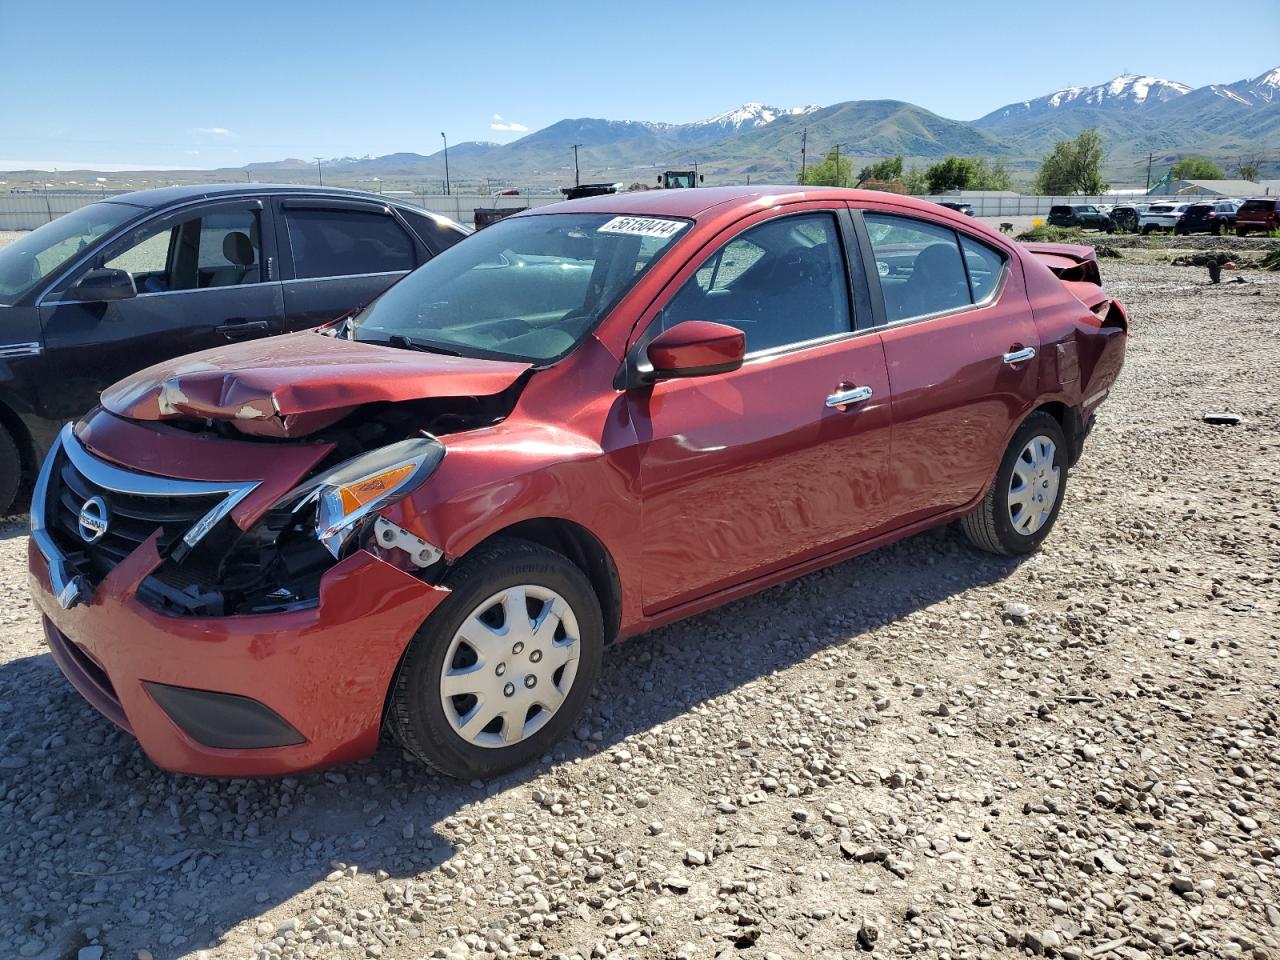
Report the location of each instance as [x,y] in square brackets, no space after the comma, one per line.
[747,472]
[205,276]
[339,255]
[961,350]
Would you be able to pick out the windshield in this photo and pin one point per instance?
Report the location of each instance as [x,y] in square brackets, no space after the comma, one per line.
[528,288]
[26,262]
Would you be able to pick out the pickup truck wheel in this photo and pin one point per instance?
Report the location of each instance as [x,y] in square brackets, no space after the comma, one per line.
[502,668]
[10,471]
[1023,502]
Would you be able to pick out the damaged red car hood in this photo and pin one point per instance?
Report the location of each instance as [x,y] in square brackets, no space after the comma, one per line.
[295,384]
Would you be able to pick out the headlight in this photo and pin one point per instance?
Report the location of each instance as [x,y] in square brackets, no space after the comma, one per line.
[359,487]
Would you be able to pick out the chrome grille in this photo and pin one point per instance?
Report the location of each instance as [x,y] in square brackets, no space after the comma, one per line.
[136,505]
[132,518]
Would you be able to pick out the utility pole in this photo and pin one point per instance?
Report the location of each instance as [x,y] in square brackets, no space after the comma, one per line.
[575,164]
[1149,156]
[447,187]
[804,143]
[837,164]
[319,172]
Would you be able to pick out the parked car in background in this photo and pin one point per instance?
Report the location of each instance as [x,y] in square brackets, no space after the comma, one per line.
[1261,215]
[1083,215]
[1125,216]
[957,206]
[1207,218]
[1161,216]
[126,282]
[590,419]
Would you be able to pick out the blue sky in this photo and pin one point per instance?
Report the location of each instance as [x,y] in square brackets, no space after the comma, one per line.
[176,83]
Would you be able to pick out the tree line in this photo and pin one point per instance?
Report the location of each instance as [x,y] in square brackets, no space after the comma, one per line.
[1071,167]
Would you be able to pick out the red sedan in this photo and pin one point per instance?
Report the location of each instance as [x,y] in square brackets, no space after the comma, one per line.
[585,421]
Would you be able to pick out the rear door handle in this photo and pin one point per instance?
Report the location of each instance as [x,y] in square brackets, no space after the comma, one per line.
[1017,356]
[842,398]
[240,329]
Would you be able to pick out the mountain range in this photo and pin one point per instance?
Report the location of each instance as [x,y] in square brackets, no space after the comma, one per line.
[1136,114]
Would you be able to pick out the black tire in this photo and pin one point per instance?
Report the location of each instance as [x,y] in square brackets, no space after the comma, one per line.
[10,472]
[991,526]
[1240,231]
[415,714]
[1146,231]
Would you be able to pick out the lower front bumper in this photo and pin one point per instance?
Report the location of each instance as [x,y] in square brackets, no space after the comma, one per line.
[323,672]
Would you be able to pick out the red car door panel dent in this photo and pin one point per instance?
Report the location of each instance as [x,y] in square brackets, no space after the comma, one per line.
[748,471]
[955,399]
[295,384]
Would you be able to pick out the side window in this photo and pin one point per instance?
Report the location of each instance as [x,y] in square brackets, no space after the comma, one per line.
[436,235]
[783,282]
[339,243]
[221,249]
[919,265]
[229,249]
[985,267]
[147,261]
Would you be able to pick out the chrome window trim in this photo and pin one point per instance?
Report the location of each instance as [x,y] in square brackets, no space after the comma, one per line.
[74,589]
[160,293]
[347,276]
[11,351]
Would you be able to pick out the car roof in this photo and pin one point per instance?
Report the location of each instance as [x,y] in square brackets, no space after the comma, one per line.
[696,201]
[167,196]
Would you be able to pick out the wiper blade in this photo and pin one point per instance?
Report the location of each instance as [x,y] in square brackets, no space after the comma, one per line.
[408,343]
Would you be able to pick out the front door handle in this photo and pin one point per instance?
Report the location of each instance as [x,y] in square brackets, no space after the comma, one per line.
[842,398]
[240,329]
[1017,356]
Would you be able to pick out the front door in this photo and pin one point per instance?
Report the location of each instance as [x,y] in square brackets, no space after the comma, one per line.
[746,472]
[203,280]
[961,345]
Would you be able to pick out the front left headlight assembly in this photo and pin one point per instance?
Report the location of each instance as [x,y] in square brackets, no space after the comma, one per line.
[356,489]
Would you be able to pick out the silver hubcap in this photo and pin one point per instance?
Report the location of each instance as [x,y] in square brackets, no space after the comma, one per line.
[1033,488]
[510,666]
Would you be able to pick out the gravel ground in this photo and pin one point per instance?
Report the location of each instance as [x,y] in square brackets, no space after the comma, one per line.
[926,751]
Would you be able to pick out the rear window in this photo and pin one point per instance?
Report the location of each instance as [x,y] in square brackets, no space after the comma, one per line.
[1199,208]
[333,242]
[1259,205]
[1061,211]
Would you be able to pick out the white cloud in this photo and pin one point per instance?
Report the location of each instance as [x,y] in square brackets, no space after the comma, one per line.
[510,126]
[214,131]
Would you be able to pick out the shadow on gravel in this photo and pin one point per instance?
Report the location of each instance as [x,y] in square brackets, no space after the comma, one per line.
[15,525]
[94,836]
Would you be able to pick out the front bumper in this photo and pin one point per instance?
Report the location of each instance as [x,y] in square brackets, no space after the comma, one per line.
[310,683]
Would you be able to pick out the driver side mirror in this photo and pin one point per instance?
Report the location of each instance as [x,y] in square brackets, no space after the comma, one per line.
[694,348]
[105,284]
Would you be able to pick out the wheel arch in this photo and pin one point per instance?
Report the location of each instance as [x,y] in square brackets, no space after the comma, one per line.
[582,548]
[27,463]
[1072,423]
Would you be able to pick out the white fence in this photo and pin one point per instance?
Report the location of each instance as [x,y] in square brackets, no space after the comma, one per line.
[26,211]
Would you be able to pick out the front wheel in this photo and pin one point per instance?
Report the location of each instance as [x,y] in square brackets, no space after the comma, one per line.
[502,668]
[1146,231]
[1022,504]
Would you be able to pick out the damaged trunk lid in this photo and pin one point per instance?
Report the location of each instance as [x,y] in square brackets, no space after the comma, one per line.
[296,384]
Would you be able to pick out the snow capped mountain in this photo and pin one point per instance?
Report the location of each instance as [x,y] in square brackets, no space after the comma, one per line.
[749,116]
[752,115]
[1127,90]
[1259,90]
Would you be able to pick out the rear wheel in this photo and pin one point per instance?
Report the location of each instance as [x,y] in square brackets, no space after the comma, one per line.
[10,471]
[1146,231]
[502,668]
[1022,504]
[1241,231]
